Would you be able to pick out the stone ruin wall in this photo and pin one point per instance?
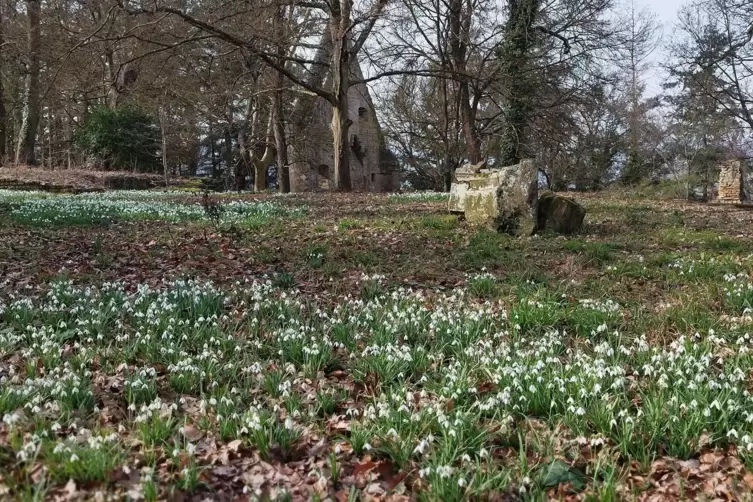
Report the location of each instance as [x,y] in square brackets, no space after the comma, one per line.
[730,181]
[735,183]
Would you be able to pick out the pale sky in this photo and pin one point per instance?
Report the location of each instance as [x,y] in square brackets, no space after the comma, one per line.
[665,9]
[666,13]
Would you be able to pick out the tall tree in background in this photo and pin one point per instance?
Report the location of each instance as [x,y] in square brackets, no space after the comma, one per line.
[516,58]
[595,141]
[716,36]
[340,44]
[504,72]
[642,39]
[27,137]
[459,24]
[703,119]
[423,126]
[549,53]
[443,57]
[278,108]
[3,109]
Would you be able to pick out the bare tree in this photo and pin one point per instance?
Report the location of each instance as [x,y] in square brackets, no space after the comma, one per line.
[641,40]
[716,34]
[344,44]
[423,126]
[25,151]
[506,71]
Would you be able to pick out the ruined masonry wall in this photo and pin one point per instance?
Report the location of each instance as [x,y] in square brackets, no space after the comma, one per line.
[311,154]
[730,181]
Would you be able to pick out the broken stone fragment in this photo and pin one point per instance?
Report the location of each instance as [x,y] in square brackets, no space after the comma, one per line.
[472,168]
[559,214]
[502,198]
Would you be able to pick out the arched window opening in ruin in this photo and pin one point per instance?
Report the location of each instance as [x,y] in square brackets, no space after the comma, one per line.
[362,111]
[323,170]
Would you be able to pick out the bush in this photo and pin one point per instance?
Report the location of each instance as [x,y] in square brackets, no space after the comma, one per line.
[121,138]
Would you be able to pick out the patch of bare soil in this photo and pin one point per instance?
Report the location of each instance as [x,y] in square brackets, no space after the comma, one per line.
[75,180]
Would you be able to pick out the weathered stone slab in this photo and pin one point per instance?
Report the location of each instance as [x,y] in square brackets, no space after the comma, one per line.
[502,198]
[559,214]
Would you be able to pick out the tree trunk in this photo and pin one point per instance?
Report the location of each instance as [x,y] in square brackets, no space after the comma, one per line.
[515,57]
[42,139]
[548,179]
[11,134]
[112,79]
[245,156]
[281,144]
[212,153]
[229,173]
[339,25]
[68,140]
[3,122]
[633,170]
[340,127]
[30,117]
[261,165]
[3,111]
[260,177]
[244,161]
[468,113]
[162,120]
[447,178]
[277,113]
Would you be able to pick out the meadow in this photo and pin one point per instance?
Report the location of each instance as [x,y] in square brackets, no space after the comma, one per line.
[165,346]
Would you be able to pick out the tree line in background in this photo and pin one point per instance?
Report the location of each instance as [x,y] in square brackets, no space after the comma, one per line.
[221,88]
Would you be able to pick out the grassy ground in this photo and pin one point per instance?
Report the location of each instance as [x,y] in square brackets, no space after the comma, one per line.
[371,348]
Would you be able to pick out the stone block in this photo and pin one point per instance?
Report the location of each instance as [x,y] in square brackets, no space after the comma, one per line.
[501,198]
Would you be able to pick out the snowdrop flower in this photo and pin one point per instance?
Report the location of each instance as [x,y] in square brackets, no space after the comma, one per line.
[421,448]
[445,471]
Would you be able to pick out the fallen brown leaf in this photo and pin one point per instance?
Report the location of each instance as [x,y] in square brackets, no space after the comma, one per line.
[191,432]
[364,467]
